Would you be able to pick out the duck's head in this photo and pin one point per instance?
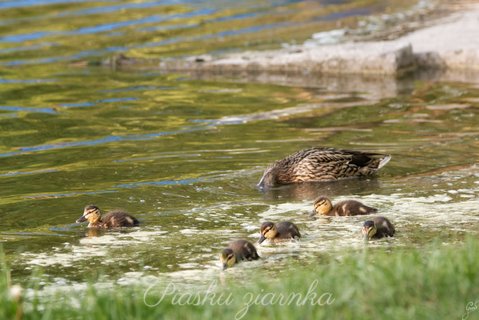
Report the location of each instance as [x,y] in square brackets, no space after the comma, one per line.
[227,258]
[369,229]
[268,179]
[91,214]
[268,231]
[322,206]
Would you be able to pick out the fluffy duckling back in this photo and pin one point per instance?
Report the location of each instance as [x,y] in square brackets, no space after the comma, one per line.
[377,228]
[322,164]
[278,231]
[324,206]
[237,251]
[113,219]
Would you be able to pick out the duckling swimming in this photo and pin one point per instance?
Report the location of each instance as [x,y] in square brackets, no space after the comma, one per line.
[113,219]
[323,206]
[237,251]
[322,164]
[377,228]
[279,231]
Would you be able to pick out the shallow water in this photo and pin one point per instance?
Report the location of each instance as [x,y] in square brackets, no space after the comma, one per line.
[183,153]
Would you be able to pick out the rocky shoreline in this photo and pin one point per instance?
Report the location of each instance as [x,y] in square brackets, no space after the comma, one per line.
[451,43]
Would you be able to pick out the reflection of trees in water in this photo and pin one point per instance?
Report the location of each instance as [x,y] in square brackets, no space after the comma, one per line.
[98,232]
[94,232]
[310,190]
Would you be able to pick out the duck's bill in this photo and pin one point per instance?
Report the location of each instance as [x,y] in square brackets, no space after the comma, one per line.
[225,266]
[81,219]
[261,184]
[261,239]
[365,234]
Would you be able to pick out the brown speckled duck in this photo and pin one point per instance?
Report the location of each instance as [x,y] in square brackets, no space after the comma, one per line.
[322,164]
[278,231]
[113,219]
[324,207]
[237,251]
[377,228]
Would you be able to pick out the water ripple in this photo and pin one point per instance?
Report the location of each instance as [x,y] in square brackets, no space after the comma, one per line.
[202,125]
[31,3]
[158,183]
[28,109]
[107,139]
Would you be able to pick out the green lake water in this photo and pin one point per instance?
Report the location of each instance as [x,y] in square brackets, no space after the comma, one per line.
[183,153]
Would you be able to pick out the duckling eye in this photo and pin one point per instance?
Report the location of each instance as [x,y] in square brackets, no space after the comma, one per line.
[230,257]
[92,211]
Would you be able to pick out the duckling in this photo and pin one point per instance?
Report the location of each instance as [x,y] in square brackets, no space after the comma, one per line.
[323,206]
[322,164]
[378,228]
[113,219]
[237,251]
[278,231]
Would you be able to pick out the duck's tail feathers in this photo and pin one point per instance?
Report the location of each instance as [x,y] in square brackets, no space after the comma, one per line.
[384,161]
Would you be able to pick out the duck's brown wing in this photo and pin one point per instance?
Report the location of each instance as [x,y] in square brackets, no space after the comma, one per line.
[116,219]
[316,155]
[326,164]
[253,254]
[391,229]
[374,161]
[287,230]
[351,208]
[384,227]
[244,250]
[351,157]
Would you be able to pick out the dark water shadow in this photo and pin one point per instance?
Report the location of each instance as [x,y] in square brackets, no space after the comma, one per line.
[311,190]
[98,232]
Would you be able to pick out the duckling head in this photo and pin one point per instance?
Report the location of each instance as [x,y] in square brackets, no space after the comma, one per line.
[91,214]
[268,231]
[369,229]
[227,258]
[322,206]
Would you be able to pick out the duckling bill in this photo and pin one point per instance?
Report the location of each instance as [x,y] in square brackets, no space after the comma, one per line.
[278,231]
[324,206]
[377,228]
[113,219]
[237,251]
[322,164]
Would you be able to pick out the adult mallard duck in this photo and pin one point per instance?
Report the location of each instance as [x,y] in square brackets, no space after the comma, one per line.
[322,164]
[237,251]
[377,228]
[324,206]
[113,219]
[278,231]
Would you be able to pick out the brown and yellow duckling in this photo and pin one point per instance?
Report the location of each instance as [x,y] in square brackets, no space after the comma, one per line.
[237,251]
[278,231]
[322,164]
[377,228]
[113,219]
[323,206]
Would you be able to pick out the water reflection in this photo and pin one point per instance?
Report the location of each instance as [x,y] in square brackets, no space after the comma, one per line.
[310,191]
